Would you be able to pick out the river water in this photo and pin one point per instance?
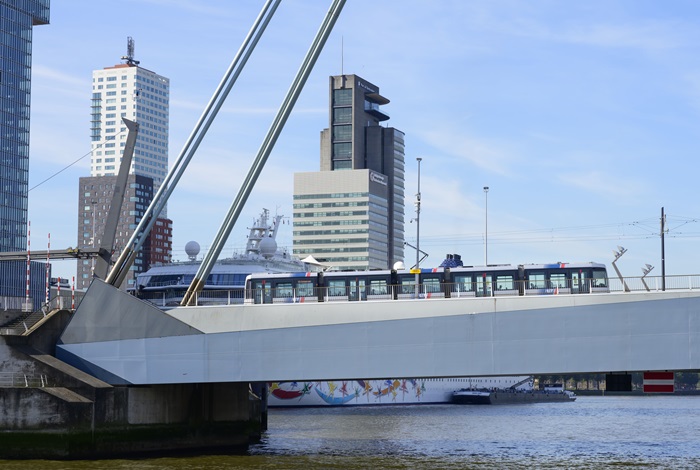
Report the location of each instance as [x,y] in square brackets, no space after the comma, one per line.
[591,433]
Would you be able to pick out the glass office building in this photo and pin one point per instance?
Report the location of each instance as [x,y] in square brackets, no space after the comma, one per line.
[18,17]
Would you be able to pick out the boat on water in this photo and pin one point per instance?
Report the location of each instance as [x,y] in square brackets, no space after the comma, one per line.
[470,396]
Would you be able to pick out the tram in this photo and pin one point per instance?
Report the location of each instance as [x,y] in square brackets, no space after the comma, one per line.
[461,281]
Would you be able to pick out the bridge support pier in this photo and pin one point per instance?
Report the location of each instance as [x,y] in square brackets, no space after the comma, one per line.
[56,423]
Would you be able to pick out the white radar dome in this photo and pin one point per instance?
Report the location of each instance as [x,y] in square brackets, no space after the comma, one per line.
[192,250]
[398,266]
[268,247]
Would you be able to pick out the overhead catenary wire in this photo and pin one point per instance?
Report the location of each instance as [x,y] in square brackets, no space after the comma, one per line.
[73,163]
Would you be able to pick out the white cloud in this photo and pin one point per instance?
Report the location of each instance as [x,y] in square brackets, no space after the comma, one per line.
[41,72]
[489,156]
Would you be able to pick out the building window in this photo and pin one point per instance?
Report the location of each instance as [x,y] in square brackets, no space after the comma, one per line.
[342,115]
[342,133]
[342,165]
[342,97]
[342,151]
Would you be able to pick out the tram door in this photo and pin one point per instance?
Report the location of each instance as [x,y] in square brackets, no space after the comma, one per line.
[579,282]
[357,289]
[484,285]
[262,294]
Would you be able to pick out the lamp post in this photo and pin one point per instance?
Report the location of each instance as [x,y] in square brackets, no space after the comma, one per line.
[646,270]
[486,226]
[618,253]
[418,159]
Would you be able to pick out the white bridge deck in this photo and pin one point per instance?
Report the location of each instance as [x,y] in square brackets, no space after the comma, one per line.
[121,339]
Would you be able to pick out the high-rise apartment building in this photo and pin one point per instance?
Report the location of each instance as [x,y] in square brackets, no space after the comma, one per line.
[18,17]
[133,92]
[95,197]
[350,214]
[125,91]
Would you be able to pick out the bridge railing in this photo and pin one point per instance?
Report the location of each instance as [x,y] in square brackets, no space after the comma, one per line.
[172,297]
[655,283]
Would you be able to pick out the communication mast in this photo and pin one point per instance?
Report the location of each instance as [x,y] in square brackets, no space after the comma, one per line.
[129,57]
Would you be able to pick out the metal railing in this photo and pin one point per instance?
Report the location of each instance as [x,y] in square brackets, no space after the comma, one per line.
[172,298]
[19,379]
[25,322]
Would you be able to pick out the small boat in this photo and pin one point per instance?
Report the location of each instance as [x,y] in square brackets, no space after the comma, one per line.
[511,396]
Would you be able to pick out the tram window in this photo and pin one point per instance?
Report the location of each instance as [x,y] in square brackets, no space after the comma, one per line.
[336,287]
[258,285]
[408,286]
[431,285]
[305,288]
[558,280]
[284,289]
[504,282]
[463,284]
[377,287]
[600,278]
[536,280]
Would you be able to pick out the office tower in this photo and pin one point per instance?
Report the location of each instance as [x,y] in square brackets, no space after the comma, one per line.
[129,91]
[350,214]
[18,17]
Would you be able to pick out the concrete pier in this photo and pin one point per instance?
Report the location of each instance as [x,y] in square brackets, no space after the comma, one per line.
[52,410]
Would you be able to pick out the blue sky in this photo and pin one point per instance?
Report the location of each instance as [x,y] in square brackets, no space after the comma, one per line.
[581,117]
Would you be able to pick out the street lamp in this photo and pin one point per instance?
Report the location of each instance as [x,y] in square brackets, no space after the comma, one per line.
[618,253]
[646,270]
[418,159]
[486,227]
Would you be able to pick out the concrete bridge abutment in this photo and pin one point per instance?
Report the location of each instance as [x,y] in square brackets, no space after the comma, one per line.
[64,413]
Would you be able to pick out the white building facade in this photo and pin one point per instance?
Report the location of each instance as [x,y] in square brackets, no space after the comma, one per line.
[135,93]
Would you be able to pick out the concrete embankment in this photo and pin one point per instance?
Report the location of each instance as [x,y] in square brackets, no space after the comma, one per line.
[66,413]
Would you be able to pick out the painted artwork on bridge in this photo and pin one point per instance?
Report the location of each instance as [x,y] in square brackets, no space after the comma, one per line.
[347,392]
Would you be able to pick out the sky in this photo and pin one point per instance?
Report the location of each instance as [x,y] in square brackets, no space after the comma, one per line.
[582,118]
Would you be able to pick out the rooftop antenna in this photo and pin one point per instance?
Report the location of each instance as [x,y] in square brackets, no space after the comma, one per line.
[129,57]
[342,55]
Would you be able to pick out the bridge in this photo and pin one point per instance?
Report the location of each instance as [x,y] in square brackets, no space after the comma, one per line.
[123,340]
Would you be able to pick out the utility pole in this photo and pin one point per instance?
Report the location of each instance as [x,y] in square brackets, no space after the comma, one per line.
[417,270]
[486,226]
[663,255]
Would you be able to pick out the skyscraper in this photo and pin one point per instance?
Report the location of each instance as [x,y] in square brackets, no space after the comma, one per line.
[18,18]
[128,91]
[351,213]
